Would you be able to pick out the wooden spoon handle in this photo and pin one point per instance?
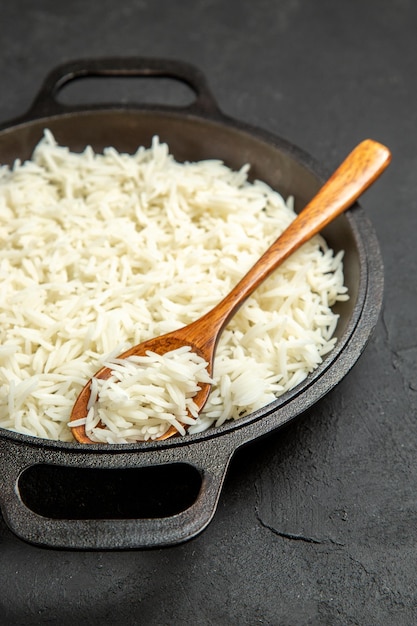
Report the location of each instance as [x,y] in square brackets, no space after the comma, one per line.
[357,172]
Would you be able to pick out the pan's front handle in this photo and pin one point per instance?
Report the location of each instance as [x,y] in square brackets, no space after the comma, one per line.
[46,103]
[210,460]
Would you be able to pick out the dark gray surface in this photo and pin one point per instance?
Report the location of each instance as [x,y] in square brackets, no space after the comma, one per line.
[317,523]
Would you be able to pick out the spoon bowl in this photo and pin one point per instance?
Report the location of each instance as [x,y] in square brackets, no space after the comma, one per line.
[356,173]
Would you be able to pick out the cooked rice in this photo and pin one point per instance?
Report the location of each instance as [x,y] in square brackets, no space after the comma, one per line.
[145,396]
[102,251]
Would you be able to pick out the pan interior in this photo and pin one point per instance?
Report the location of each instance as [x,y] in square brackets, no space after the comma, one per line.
[192,138]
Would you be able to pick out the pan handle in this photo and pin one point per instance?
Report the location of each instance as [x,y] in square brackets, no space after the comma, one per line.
[46,102]
[210,459]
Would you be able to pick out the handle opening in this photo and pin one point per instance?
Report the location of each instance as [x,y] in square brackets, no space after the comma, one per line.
[88,90]
[79,493]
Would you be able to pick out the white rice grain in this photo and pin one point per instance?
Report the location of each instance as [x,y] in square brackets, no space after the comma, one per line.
[102,251]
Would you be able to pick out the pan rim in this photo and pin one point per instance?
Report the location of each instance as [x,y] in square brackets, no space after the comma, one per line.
[359,225]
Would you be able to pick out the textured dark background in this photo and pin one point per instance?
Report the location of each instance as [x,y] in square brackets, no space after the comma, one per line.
[317,523]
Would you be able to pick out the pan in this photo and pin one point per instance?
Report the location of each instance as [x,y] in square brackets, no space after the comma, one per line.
[147,495]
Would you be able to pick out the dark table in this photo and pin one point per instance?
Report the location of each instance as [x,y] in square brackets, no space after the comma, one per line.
[317,522]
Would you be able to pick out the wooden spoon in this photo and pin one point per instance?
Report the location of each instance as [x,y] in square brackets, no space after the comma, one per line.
[357,172]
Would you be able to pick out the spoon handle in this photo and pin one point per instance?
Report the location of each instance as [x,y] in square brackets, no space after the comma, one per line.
[357,172]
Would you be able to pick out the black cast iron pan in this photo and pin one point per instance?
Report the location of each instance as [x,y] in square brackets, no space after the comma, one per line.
[156,494]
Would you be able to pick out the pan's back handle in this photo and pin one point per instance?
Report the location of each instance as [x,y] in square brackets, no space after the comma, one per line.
[111,532]
[46,102]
